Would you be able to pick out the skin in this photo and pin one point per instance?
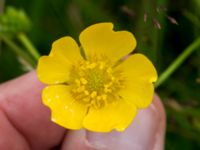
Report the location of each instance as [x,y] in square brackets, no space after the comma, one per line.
[25,124]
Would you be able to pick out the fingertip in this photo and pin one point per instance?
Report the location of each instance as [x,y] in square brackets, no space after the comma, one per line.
[26,80]
[160,133]
[10,138]
[21,101]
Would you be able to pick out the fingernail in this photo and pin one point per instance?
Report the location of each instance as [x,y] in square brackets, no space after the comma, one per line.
[140,135]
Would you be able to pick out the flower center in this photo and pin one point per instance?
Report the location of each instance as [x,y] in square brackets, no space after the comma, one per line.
[95,83]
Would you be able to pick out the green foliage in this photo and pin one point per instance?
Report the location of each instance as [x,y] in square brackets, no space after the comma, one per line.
[14,21]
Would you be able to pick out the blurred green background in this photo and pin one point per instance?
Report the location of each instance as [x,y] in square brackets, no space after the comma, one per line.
[163,29]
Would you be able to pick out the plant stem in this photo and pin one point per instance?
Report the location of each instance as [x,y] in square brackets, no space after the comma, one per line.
[179,60]
[27,43]
[194,19]
[18,50]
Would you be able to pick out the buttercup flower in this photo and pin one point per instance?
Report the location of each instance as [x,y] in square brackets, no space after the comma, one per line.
[90,86]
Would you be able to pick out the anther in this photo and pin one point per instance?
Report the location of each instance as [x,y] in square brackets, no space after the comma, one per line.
[83,81]
[91,66]
[93,94]
[106,90]
[80,89]
[98,97]
[104,97]
[86,99]
[108,85]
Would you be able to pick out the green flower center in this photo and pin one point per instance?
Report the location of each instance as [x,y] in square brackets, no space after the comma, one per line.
[95,83]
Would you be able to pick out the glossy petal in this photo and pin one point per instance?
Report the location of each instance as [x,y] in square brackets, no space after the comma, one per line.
[100,39]
[117,115]
[66,49]
[139,73]
[51,70]
[65,111]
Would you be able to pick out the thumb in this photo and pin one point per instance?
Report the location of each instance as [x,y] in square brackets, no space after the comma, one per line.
[145,133]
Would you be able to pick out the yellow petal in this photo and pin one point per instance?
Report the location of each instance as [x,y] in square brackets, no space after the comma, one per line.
[51,70]
[117,115]
[65,110]
[100,39]
[139,73]
[66,49]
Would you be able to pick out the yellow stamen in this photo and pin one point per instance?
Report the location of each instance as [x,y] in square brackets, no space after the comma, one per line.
[91,66]
[86,92]
[83,81]
[95,81]
[93,94]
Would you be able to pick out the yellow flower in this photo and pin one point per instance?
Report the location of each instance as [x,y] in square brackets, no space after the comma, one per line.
[89,87]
